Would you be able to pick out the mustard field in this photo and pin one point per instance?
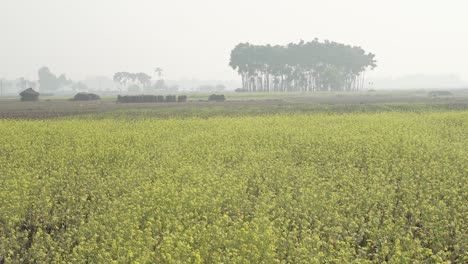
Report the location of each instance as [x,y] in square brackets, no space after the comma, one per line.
[280,188]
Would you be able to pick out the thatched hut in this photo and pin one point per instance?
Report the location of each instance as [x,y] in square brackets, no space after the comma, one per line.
[151,98]
[29,95]
[86,97]
[217,97]
[170,99]
[182,98]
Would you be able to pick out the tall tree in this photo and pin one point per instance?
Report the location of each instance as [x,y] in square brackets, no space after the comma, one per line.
[158,72]
[144,79]
[47,80]
[63,81]
[121,78]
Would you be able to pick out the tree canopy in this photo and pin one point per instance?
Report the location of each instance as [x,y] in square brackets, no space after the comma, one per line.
[49,82]
[126,78]
[303,66]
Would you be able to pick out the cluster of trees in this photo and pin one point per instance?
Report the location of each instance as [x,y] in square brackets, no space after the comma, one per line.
[303,66]
[132,80]
[10,87]
[138,82]
[49,82]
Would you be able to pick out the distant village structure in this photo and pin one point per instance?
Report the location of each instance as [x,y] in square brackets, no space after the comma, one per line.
[29,95]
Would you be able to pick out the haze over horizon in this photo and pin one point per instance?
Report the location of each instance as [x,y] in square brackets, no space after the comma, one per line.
[194,39]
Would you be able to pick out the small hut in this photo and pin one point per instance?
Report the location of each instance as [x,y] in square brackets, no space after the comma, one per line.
[182,98]
[29,95]
[170,99]
[86,97]
[217,97]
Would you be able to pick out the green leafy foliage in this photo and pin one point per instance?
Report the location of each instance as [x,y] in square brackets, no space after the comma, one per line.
[305,66]
[297,188]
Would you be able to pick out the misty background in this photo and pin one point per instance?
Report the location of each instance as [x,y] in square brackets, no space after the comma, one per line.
[418,44]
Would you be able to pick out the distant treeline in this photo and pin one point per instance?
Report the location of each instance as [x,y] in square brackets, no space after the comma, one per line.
[151,98]
[305,66]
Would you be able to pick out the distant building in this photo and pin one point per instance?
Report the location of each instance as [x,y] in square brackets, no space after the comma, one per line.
[29,95]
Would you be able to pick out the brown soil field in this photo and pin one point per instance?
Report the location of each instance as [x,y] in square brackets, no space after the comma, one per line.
[53,108]
[59,108]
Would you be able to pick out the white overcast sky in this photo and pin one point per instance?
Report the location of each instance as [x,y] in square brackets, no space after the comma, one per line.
[193,39]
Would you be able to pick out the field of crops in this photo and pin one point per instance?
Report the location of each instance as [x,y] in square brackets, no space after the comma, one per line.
[275,188]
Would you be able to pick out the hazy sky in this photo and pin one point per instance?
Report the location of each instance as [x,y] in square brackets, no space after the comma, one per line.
[193,39]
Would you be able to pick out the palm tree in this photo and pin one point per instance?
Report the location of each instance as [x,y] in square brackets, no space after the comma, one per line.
[159,72]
